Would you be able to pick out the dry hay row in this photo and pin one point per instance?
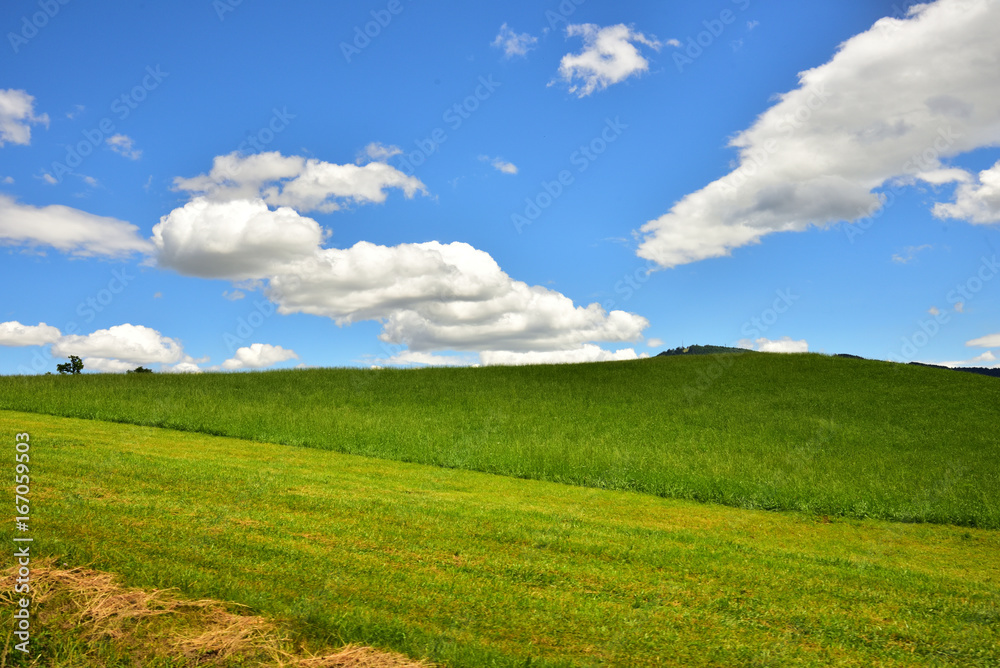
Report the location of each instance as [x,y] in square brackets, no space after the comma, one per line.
[205,633]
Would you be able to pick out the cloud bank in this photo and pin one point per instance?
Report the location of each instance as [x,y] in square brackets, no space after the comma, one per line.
[429,297]
[889,106]
[68,230]
[303,184]
[258,356]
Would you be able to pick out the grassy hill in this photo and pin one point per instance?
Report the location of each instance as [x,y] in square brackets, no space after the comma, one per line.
[826,435]
[470,570]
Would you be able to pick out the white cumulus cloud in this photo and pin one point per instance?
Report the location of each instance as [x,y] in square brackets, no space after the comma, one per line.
[987,359]
[305,185]
[977,201]
[14,333]
[428,297]
[17,115]
[68,230]
[410,358]
[585,353]
[120,346]
[434,296]
[891,104]
[609,56]
[182,367]
[235,239]
[512,43]
[258,356]
[783,345]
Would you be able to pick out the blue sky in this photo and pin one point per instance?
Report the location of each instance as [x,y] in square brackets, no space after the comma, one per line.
[221,185]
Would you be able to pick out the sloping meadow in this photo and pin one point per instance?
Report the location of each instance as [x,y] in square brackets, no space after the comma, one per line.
[834,436]
[314,550]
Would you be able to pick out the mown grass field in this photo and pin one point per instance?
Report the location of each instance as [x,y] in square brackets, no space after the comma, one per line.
[470,569]
[843,437]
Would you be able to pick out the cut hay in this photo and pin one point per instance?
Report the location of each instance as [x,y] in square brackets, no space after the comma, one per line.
[158,623]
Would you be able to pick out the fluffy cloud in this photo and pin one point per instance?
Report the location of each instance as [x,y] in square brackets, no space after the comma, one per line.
[378,152]
[235,239]
[585,353]
[113,350]
[783,345]
[410,358]
[121,347]
[14,333]
[977,201]
[988,341]
[500,164]
[512,43]
[102,365]
[433,296]
[123,145]
[427,296]
[306,185]
[891,103]
[258,356]
[182,367]
[609,56]
[987,359]
[17,115]
[68,230]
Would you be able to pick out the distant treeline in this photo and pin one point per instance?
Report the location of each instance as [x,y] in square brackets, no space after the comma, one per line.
[985,371]
[714,350]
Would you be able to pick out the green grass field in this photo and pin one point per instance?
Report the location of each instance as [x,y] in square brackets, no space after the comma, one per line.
[842,437]
[471,569]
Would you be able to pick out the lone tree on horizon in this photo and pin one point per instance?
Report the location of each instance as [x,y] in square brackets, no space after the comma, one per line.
[73,367]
